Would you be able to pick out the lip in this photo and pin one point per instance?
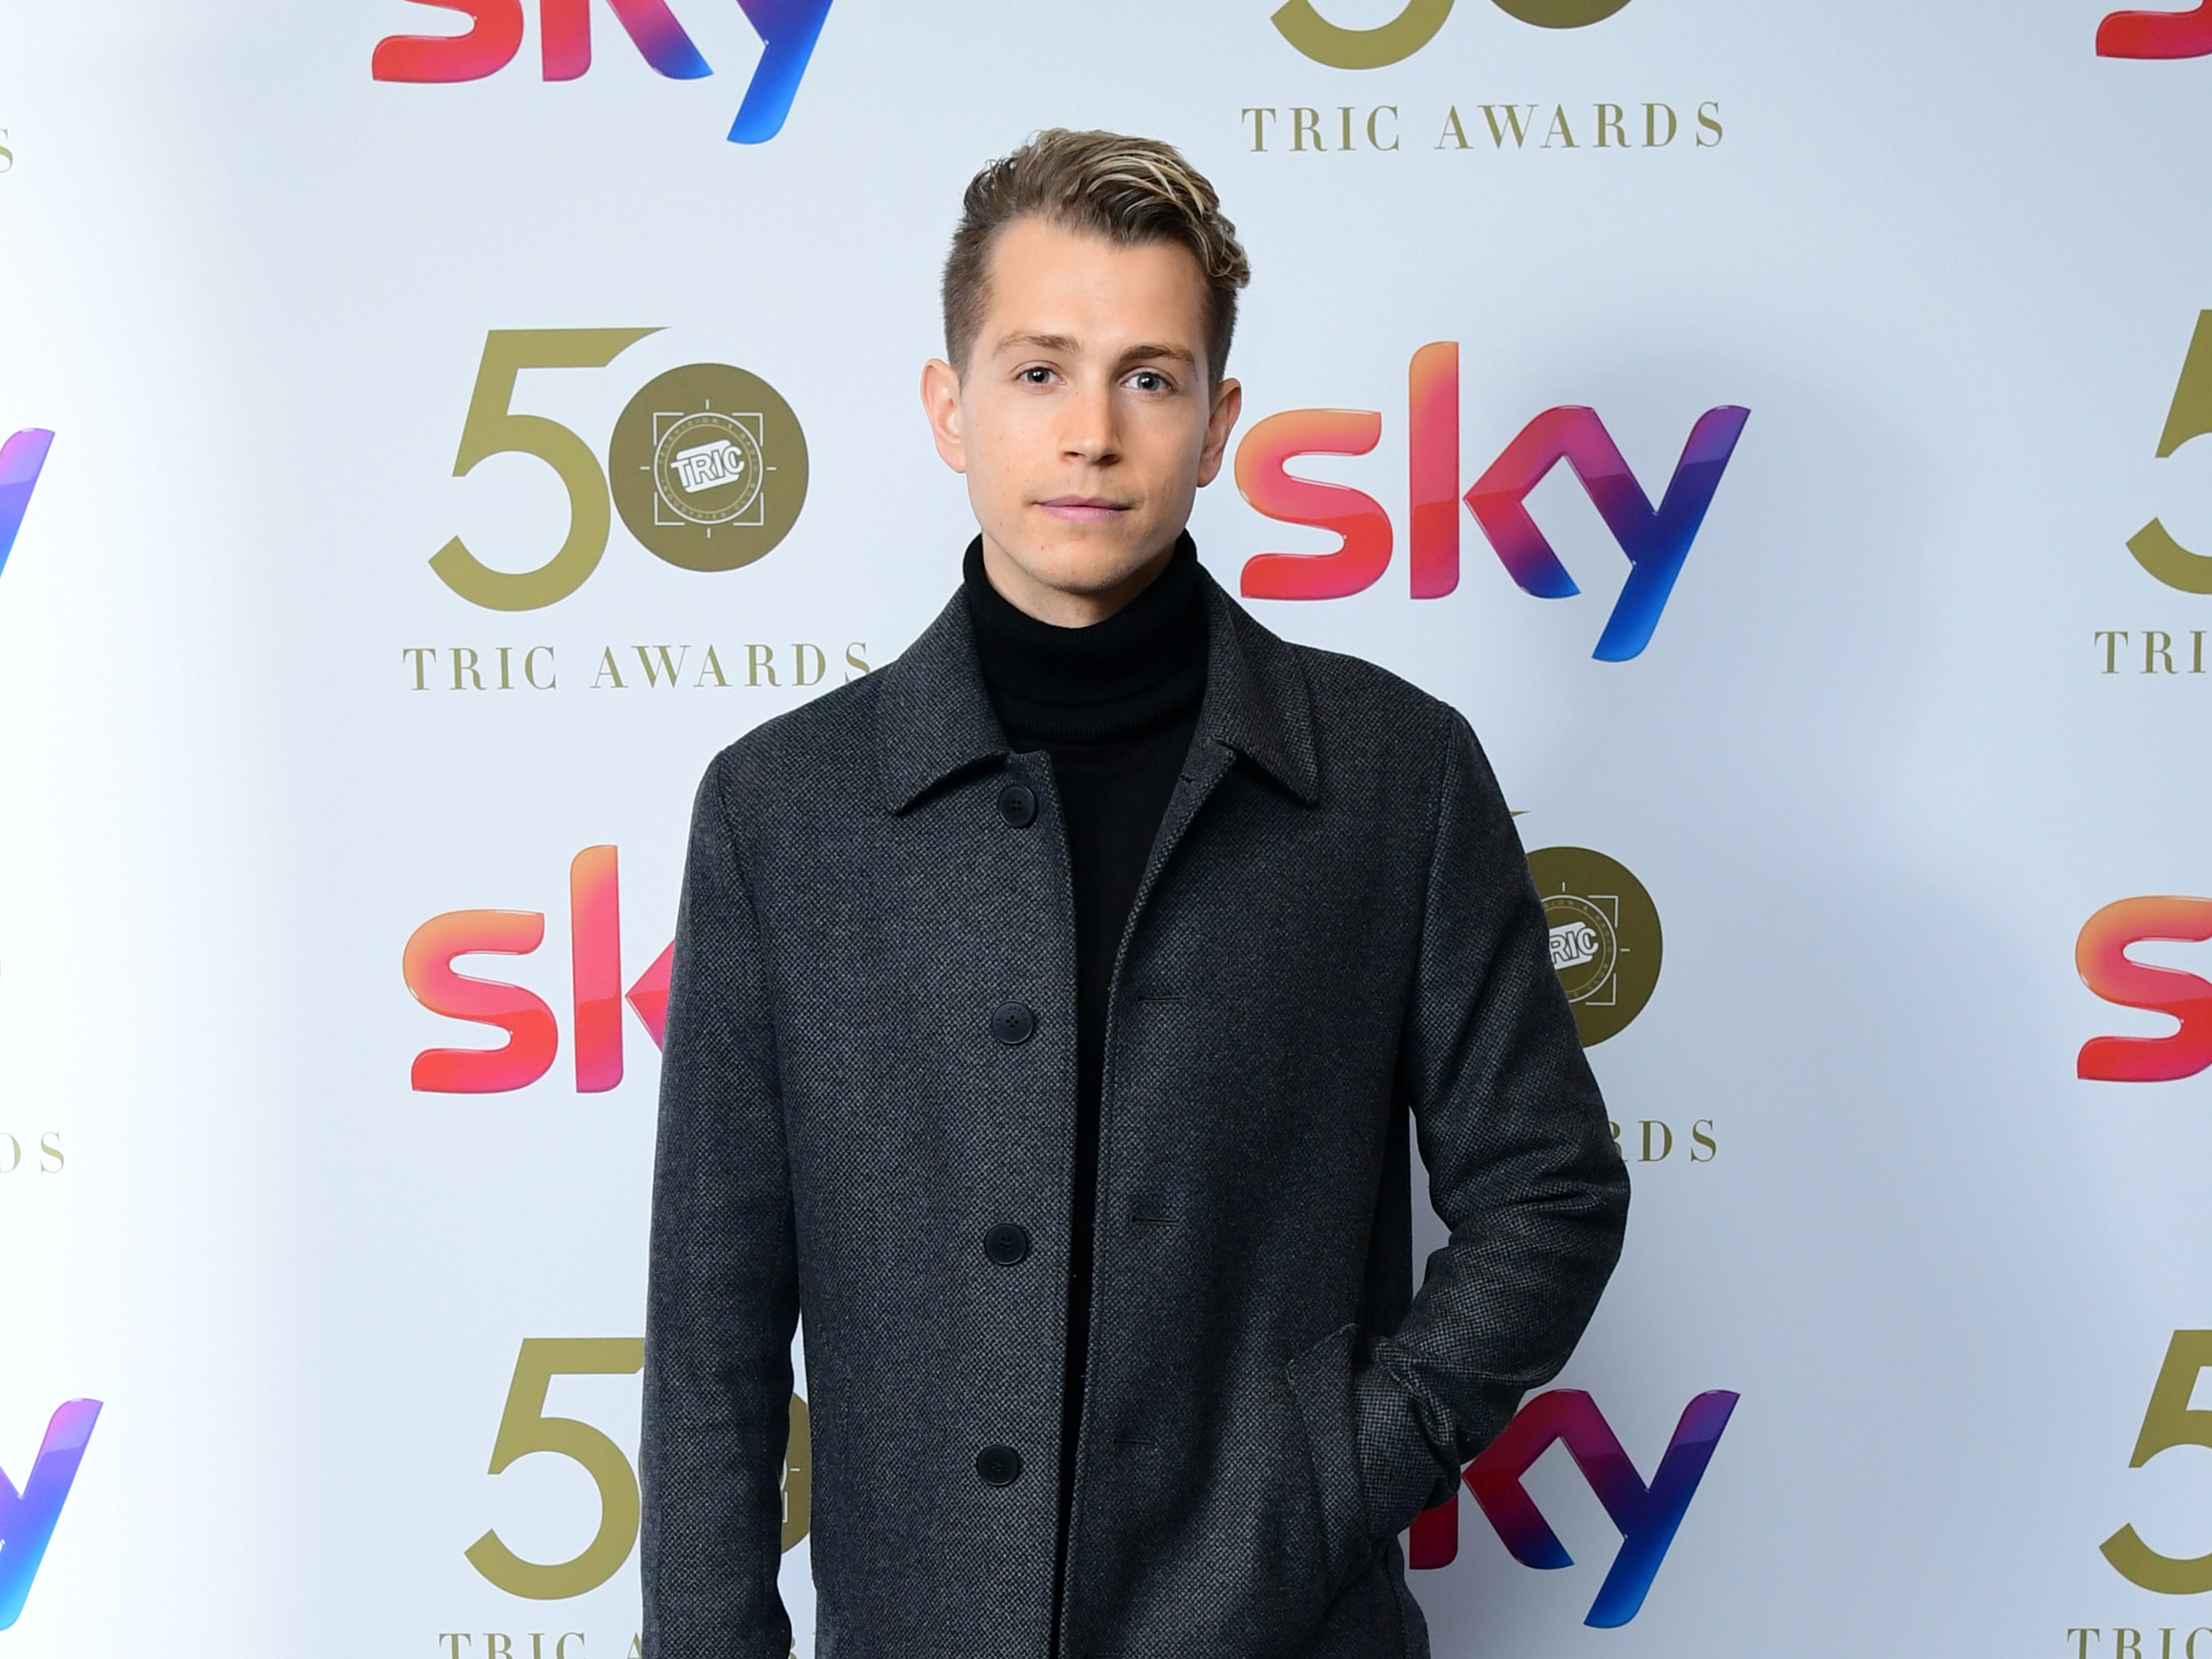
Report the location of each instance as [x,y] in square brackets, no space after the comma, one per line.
[1084,510]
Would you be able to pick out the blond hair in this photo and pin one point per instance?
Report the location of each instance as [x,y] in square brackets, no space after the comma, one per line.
[1130,192]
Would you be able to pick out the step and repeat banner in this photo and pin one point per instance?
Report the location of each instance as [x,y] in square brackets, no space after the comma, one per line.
[439,426]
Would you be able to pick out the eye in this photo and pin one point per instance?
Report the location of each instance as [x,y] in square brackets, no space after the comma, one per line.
[1151,379]
[1035,374]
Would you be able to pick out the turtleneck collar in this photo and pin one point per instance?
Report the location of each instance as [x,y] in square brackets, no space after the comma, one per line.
[1141,668]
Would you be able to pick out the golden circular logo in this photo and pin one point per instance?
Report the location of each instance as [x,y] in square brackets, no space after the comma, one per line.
[1604,935]
[708,467]
[1560,14]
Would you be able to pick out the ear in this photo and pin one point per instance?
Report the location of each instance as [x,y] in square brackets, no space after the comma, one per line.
[940,401]
[1228,404]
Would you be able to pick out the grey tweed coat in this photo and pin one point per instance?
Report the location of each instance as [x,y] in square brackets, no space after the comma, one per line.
[871,1071]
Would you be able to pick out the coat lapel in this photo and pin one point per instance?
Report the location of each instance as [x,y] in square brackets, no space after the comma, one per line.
[934,720]
[1256,702]
[1256,708]
[934,716]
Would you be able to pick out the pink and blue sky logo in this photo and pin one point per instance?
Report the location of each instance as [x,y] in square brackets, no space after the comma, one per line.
[2101,957]
[533,1031]
[787,30]
[27,1518]
[1648,1516]
[2157,35]
[22,458]
[1655,540]
[1655,543]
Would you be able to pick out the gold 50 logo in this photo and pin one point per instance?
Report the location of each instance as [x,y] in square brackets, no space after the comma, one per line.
[2170,1420]
[1413,28]
[524,1428]
[707,465]
[2189,417]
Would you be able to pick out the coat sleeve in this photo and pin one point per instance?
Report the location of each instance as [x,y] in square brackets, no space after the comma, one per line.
[1523,1166]
[722,1297]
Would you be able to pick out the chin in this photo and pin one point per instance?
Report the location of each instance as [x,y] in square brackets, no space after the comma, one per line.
[1088,574]
[1080,564]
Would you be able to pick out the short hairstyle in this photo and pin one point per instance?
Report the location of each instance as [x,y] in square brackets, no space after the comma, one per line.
[1130,191]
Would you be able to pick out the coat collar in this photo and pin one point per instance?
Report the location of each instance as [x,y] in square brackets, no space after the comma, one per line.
[934,720]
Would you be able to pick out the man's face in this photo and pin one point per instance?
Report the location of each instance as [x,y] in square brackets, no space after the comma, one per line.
[1085,422]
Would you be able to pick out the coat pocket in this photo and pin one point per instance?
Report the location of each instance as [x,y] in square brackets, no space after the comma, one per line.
[1321,1384]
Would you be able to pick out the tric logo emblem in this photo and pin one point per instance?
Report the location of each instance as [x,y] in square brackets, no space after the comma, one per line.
[708,467]
[1605,937]
[27,1517]
[787,30]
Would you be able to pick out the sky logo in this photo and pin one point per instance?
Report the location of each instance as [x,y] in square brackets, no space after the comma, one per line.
[2101,956]
[1655,543]
[26,1519]
[787,30]
[533,1033]
[1655,540]
[22,458]
[1648,1516]
[2157,34]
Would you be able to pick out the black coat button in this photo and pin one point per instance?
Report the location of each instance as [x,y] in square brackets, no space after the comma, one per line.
[999,1466]
[1013,1024]
[1018,804]
[1007,1244]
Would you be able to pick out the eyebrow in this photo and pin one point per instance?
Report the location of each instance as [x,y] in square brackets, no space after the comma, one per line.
[1042,342]
[1135,353]
[1139,353]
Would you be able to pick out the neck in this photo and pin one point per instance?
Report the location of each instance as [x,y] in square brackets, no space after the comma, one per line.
[1141,666]
[1064,607]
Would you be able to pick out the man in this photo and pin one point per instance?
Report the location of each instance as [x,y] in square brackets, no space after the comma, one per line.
[1048,1010]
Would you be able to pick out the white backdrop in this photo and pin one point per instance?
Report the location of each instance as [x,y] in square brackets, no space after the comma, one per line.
[1870,769]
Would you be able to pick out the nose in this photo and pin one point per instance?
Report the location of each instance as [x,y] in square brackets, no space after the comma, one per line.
[1090,432]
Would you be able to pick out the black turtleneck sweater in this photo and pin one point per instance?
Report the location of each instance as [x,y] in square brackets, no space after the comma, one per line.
[1114,705]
